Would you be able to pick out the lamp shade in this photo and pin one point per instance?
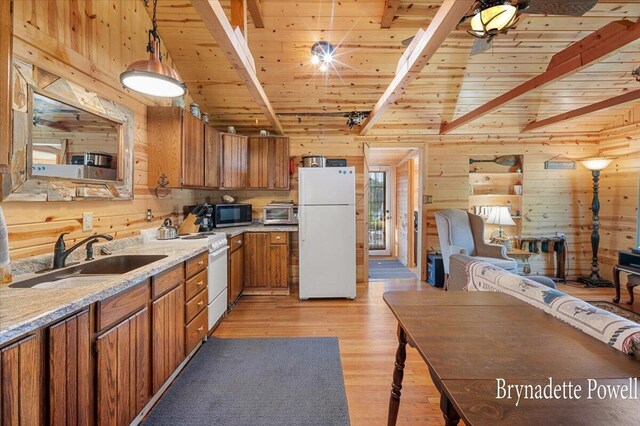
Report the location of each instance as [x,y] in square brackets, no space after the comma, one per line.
[493,19]
[152,77]
[596,163]
[500,216]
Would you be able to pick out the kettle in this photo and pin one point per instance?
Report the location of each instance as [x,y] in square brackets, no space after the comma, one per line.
[167,231]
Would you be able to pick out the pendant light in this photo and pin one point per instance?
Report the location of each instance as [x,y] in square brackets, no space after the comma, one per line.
[151,76]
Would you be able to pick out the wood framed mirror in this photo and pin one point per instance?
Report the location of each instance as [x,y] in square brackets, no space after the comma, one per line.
[68,143]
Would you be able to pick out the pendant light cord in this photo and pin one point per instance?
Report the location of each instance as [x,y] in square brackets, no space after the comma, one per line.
[153,33]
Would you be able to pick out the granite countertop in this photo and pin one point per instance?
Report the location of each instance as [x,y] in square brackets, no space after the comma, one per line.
[257,227]
[23,310]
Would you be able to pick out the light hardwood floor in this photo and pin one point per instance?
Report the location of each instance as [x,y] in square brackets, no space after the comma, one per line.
[367,334]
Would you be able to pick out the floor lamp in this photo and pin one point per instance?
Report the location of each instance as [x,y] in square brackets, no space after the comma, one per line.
[595,280]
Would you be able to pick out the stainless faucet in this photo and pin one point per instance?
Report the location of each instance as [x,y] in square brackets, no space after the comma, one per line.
[60,251]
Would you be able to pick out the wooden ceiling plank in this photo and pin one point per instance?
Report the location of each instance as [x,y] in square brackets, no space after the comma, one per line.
[589,109]
[445,21]
[255,9]
[214,18]
[599,45]
[390,11]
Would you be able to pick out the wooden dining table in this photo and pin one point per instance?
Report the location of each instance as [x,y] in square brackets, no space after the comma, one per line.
[472,340]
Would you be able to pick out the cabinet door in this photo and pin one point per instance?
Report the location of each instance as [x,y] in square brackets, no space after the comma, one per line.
[70,379]
[192,151]
[234,162]
[212,142]
[167,336]
[164,133]
[21,382]
[5,84]
[259,163]
[279,265]
[256,259]
[279,163]
[123,373]
[236,275]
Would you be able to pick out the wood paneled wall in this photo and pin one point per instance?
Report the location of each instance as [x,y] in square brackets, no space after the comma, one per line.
[89,42]
[553,200]
[619,187]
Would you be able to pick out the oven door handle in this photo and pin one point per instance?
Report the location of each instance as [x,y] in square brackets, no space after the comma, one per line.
[219,251]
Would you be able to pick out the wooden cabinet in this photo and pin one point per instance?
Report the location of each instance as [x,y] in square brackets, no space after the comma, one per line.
[6,36]
[234,162]
[212,145]
[266,258]
[235,269]
[178,147]
[268,163]
[167,335]
[195,314]
[21,382]
[258,163]
[192,151]
[123,374]
[70,371]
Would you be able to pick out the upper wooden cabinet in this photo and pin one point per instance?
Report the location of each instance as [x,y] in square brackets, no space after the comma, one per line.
[268,163]
[6,24]
[212,144]
[234,162]
[176,147]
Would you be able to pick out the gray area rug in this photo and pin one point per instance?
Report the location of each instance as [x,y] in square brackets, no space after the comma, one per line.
[624,313]
[383,269]
[293,381]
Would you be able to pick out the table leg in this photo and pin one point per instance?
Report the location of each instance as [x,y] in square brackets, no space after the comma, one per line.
[616,283]
[451,417]
[398,375]
[630,286]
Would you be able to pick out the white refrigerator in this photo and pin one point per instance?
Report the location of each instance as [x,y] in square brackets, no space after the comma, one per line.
[327,232]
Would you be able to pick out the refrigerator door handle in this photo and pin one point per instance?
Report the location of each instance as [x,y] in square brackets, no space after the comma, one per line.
[303,223]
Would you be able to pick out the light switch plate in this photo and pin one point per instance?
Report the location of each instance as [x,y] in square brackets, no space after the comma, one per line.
[87,221]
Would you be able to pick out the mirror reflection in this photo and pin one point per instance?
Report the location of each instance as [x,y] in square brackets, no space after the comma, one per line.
[68,142]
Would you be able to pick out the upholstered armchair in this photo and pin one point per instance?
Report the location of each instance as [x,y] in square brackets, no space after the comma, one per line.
[461,232]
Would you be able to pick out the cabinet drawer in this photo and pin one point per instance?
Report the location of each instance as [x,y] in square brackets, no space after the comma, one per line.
[166,280]
[236,242]
[195,285]
[196,330]
[195,305]
[279,237]
[197,264]
[122,305]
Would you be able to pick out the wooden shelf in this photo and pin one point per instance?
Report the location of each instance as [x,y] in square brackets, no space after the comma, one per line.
[495,195]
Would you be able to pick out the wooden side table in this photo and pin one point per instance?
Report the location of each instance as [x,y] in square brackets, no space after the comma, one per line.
[522,257]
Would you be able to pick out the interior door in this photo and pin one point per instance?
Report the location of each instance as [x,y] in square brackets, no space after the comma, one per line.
[380,211]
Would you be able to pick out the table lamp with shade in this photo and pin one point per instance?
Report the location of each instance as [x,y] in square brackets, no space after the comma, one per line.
[595,280]
[500,216]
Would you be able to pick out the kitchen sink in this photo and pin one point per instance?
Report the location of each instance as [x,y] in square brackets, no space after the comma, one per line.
[89,273]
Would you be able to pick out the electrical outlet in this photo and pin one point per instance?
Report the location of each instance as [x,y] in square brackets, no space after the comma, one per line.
[149,215]
[428,199]
[87,221]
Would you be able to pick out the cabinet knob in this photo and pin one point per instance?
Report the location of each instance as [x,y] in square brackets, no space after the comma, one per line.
[200,303]
[277,238]
[201,263]
[201,328]
[200,283]
[239,241]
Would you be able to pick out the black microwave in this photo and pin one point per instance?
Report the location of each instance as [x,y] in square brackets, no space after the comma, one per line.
[232,215]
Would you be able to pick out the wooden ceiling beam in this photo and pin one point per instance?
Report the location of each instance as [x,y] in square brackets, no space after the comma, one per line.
[593,48]
[239,15]
[214,18]
[390,10]
[445,21]
[589,109]
[255,9]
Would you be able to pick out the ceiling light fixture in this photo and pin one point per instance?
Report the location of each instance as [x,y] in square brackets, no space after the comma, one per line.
[151,76]
[636,73]
[492,18]
[356,118]
[322,53]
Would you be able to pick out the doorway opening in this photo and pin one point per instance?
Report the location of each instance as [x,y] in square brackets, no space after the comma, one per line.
[394,212]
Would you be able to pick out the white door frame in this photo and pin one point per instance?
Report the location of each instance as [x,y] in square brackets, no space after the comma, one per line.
[390,194]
